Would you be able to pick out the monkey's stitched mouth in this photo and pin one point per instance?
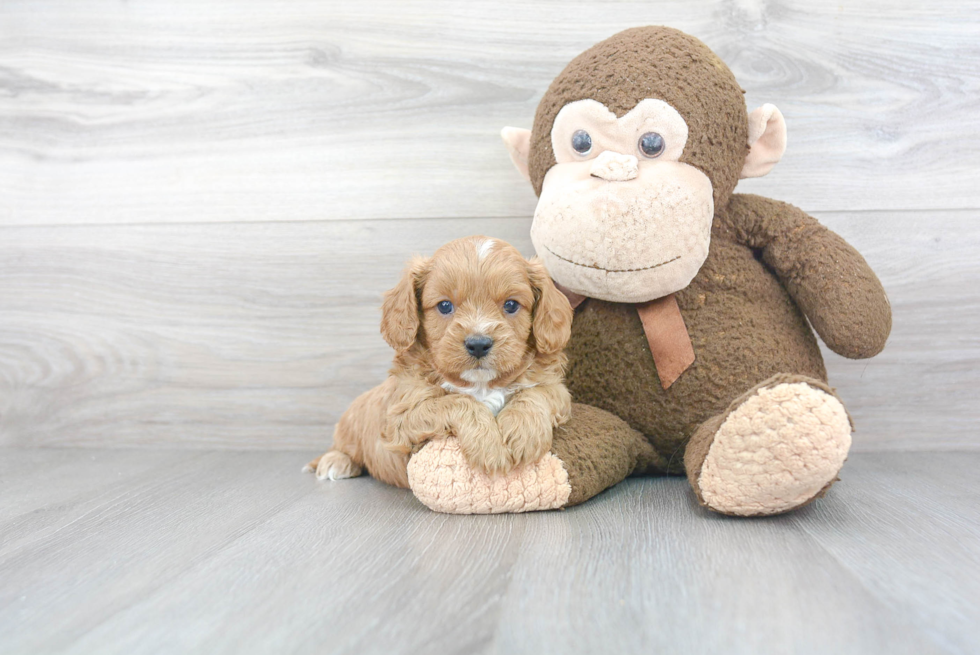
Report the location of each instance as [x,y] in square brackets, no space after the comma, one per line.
[611,270]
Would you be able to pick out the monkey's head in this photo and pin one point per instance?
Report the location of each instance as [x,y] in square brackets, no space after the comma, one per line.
[633,147]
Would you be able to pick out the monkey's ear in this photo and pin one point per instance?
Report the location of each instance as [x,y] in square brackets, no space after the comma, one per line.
[767,141]
[518,143]
[552,322]
[400,310]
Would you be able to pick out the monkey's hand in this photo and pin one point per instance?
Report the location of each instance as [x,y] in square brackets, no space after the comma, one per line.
[829,280]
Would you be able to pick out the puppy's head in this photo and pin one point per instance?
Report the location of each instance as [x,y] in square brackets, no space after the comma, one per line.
[483,312]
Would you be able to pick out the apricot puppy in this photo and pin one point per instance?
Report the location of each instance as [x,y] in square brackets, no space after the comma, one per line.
[479,332]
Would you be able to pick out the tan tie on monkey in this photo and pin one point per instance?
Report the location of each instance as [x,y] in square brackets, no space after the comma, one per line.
[635,152]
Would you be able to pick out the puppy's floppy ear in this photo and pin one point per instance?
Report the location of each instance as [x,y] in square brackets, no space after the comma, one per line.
[400,310]
[552,322]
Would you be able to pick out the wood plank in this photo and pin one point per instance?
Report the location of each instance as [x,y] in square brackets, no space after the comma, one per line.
[123,113]
[240,553]
[260,335]
[936,496]
[108,553]
[919,393]
[31,507]
[254,335]
[661,574]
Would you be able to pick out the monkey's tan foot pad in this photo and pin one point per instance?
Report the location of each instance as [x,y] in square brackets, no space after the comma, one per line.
[778,450]
[440,477]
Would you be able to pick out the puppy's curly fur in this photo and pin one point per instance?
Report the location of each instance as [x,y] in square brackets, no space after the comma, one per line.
[502,405]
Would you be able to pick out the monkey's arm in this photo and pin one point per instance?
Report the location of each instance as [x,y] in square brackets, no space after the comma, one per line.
[829,280]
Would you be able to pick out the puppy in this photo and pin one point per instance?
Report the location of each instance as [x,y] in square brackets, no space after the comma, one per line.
[479,332]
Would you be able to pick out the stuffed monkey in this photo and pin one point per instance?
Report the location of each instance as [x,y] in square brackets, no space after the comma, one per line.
[692,350]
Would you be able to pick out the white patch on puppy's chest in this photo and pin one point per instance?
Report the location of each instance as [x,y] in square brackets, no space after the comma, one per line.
[494,399]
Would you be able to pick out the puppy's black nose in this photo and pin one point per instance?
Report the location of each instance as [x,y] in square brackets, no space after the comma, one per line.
[478,346]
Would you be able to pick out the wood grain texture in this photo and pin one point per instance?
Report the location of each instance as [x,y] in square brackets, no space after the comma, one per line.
[200,205]
[241,553]
[919,392]
[255,335]
[254,111]
[260,335]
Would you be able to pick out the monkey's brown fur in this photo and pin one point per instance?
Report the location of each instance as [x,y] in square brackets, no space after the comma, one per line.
[769,267]
[744,324]
[660,63]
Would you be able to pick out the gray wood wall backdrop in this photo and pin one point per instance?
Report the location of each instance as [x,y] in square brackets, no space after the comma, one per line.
[201,201]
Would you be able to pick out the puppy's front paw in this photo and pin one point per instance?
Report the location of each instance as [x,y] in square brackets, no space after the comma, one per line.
[484,448]
[333,465]
[526,436]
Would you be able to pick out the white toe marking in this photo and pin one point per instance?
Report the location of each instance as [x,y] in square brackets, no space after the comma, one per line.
[333,473]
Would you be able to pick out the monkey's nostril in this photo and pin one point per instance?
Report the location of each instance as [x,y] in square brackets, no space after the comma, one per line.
[478,346]
[614,167]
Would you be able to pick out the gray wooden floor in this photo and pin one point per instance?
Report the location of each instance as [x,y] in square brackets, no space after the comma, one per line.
[202,201]
[139,551]
[200,204]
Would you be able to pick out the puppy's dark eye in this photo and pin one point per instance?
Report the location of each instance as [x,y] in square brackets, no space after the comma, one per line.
[511,306]
[581,142]
[651,145]
[445,307]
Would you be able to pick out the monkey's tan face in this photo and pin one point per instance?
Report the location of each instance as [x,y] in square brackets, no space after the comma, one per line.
[620,218]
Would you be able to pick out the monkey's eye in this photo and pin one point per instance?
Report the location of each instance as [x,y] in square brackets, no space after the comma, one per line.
[651,145]
[511,306]
[445,307]
[581,142]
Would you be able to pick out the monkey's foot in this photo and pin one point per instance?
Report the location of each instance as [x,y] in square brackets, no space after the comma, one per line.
[440,477]
[592,452]
[778,447]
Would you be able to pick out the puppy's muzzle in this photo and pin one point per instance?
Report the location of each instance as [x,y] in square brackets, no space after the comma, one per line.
[478,346]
